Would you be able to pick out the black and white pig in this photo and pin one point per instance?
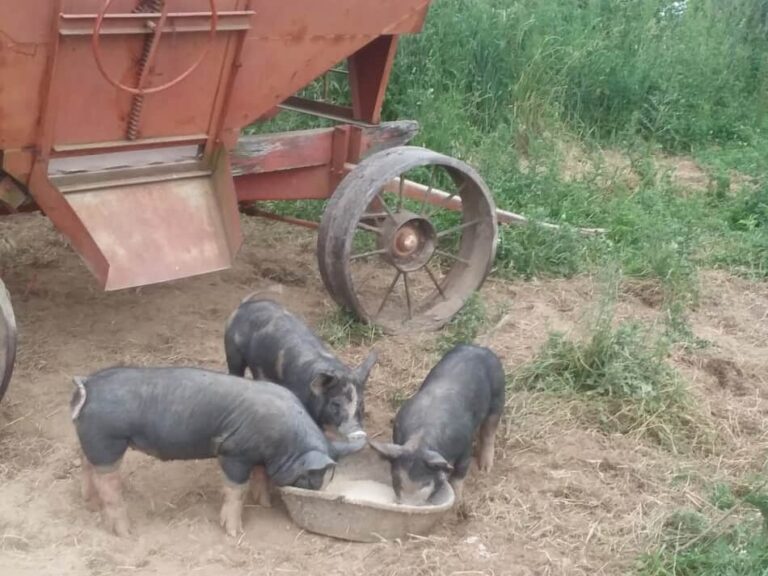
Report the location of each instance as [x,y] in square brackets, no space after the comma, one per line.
[275,345]
[461,397]
[258,431]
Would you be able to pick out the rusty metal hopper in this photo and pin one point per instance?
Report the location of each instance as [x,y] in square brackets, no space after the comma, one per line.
[154,215]
[121,113]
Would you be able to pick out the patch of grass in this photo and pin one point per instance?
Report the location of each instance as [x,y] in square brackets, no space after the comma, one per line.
[621,362]
[740,551]
[677,327]
[722,497]
[534,251]
[464,327]
[620,372]
[735,544]
[341,328]
[605,69]
[396,398]
[684,523]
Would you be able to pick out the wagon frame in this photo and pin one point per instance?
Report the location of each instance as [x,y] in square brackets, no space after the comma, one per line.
[126,132]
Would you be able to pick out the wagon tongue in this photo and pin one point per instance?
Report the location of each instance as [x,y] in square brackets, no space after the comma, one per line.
[155,215]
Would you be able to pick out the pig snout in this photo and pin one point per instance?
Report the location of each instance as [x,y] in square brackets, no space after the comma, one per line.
[352,431]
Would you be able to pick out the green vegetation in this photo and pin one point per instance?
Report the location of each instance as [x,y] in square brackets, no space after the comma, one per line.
[735,544]
[341,328]
[606,69]
[504,84]
[494,81]
[464,327]
[619,374]
[576,113]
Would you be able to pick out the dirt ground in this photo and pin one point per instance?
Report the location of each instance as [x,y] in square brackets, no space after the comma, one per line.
[563,499]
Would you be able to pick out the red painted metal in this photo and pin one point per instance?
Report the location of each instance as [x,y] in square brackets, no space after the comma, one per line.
[150,60]
[288,45]
[368,77]
[312,183]
[68,67]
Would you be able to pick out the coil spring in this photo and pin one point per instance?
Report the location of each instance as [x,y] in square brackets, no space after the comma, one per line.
[134,118]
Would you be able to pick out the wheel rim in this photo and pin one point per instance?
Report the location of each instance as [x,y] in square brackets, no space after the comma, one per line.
[394,253]
[7,340]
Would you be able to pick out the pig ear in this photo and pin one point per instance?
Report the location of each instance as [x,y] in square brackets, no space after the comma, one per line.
[363,371]
[316,460]
[320,383]
[388,451]
[435,461]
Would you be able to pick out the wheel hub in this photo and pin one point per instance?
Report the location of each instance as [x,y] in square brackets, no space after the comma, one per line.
[409,240]
[406,241]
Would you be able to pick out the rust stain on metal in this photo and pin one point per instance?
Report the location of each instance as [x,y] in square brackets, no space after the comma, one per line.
[23,48]
[154,232]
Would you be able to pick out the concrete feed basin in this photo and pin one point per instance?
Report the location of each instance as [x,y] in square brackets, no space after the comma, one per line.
[359,504]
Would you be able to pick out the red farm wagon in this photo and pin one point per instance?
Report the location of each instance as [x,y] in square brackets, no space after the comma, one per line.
[122,121]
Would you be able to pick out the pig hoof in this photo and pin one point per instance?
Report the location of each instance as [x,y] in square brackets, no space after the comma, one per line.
[232,526]
[265,500]
[485,464]
[458,489]
[92,504]
[120,527]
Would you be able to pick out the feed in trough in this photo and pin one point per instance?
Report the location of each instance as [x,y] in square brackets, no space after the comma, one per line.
[368,511]
[363,490]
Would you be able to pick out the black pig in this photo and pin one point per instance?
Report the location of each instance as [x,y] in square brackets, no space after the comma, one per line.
[275,345]
[434,430]
[254,429]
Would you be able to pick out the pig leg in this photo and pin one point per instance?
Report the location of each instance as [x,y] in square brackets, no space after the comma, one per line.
[487,442]
[460,471]
[235,362]
[106,480]
[88,488]
[260,487]
[236,475]
[231,517]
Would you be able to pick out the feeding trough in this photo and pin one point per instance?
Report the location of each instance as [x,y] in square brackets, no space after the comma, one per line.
[358,505]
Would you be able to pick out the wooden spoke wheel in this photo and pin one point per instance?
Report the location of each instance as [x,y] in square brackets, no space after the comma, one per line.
[407,237]
[7,340]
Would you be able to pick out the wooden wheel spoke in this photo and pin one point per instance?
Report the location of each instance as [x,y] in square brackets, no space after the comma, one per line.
[367,254]
[428,193]
[447,200]
[388,293]
[458,228]
[452,256]
[374,215]
[386,208]
[434,281]
[407,295]
[369,228]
